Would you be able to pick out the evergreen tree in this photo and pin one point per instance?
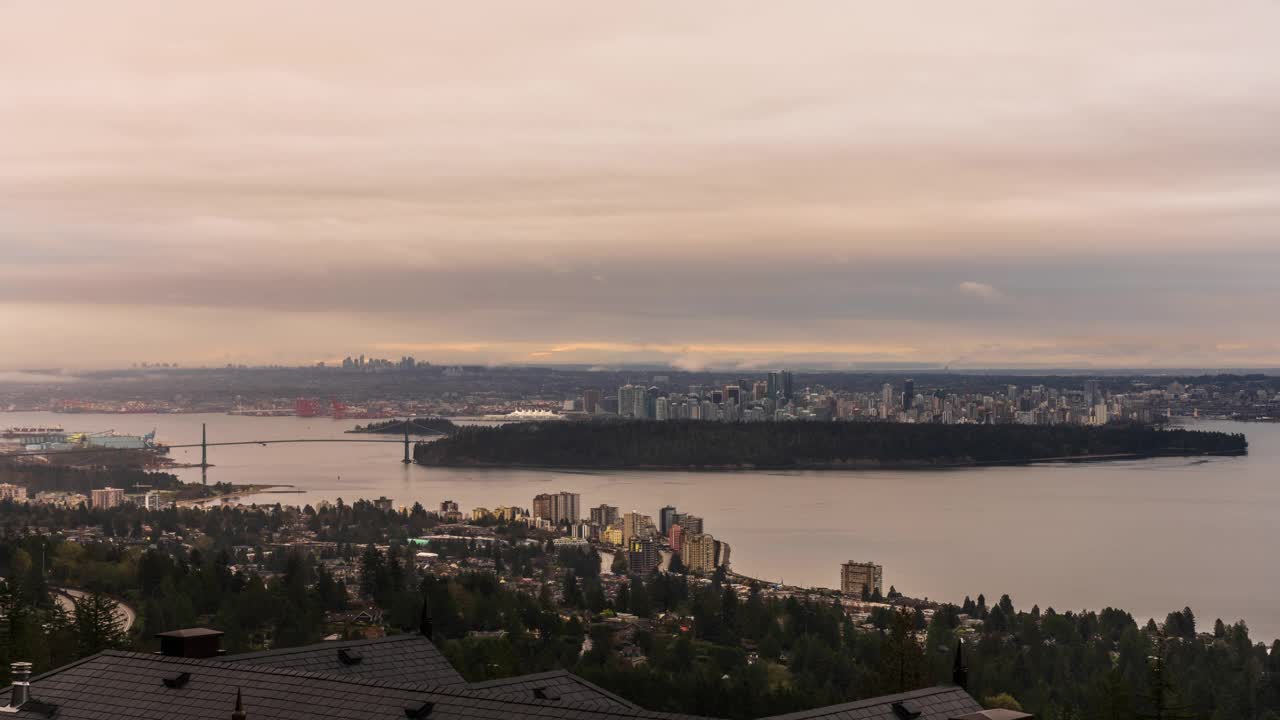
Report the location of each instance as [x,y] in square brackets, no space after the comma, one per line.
[98,624]
[1161,698]
[902,667]
[372,571]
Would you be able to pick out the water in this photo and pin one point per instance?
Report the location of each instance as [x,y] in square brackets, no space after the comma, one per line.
[1147,536]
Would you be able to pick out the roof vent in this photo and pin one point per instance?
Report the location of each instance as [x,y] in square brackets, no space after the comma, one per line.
[422,711]
[349,657]
[20,693]
[177,681]
[906,711]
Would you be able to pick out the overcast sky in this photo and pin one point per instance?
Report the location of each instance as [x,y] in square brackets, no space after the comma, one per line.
[978,183]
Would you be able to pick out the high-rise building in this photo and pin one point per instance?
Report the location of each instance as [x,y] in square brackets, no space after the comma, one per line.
[1092,395]
[642,555]
[908,394]
[690,523]
[698,553]
[590,401]
[105,498]
[662,409]
[448,506]
[780,386]
[675,538]
[666,518]
[627,400]
[604,515]
[542,506]
[557,508]
[636,525]
[855,576]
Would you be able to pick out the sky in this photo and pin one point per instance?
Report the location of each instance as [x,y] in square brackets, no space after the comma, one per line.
[993,183]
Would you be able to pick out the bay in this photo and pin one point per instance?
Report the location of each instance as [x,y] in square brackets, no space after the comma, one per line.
[1148,536]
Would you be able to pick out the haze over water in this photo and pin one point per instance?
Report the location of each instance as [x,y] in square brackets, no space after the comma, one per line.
[1145,536]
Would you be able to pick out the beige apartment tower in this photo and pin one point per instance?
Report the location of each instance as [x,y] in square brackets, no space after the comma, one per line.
[854,576]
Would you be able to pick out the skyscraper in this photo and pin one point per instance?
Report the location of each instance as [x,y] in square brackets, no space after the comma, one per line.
[1092,396]
[666,518]
[627,400]
[642,555]
[908,393]
[780,386]
[590,401]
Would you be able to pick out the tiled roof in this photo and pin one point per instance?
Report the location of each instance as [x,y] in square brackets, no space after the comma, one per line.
[132,686]
[556,686]
[936,703]
[403,659]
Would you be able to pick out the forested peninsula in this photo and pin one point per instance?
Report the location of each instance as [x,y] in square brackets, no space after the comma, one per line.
[807,445]
[417,426]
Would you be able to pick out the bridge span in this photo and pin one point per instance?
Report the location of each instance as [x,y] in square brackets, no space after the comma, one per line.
[204,444]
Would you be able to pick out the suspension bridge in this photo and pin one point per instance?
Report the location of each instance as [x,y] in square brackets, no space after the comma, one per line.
[204,444]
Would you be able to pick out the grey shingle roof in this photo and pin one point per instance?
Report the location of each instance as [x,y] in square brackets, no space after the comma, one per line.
[558,686]
[404,659]
[131,686]
[936,703]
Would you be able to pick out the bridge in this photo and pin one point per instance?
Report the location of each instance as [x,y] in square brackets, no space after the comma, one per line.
[204,444]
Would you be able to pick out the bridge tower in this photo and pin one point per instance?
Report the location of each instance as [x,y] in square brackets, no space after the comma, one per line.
[407,459]
[204,446]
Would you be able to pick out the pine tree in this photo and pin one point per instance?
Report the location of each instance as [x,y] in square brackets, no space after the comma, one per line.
[1161,697]
[98,624]
[902,665]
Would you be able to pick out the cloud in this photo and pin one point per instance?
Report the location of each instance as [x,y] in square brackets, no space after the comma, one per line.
[34,378]
[982,291]
[194,182]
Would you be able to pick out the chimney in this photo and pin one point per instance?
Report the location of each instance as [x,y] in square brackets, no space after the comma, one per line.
[960,671]
[424,623]
[21,690]
[191,643]
[239,713]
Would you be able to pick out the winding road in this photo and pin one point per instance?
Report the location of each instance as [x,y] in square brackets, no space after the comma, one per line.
[66,597]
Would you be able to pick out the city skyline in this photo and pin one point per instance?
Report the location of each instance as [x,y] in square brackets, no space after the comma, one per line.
[993,185]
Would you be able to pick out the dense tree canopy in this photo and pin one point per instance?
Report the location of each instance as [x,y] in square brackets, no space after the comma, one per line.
[803,444]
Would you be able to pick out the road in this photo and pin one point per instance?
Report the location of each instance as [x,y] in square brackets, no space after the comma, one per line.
[64,596]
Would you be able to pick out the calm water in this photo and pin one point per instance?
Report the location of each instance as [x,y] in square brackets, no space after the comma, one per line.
[1147,536]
